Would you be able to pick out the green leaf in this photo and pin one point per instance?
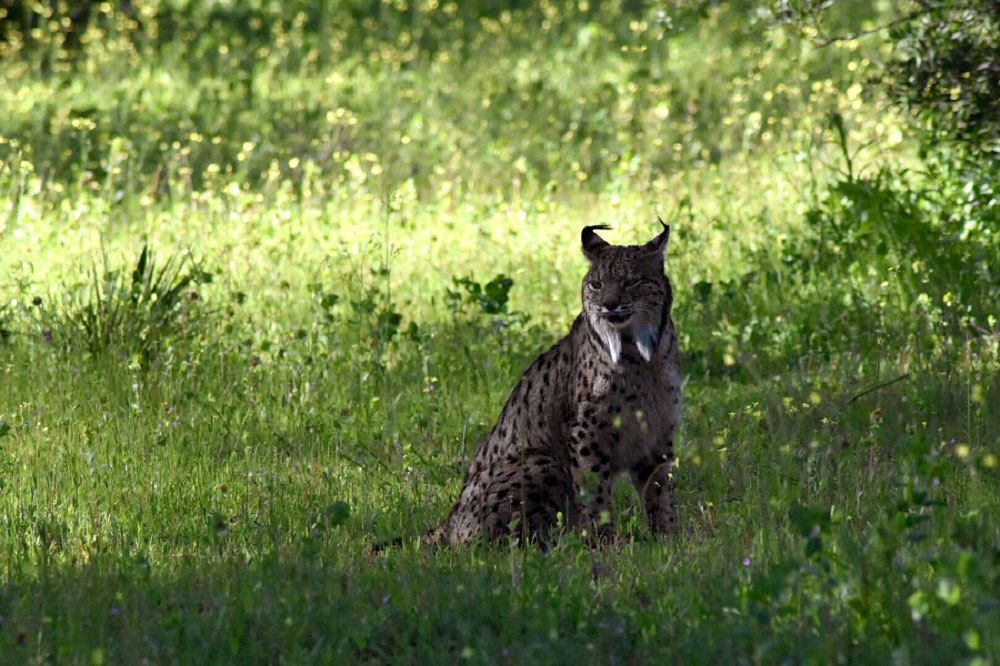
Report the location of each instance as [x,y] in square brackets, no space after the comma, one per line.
[918,605]
[949,591]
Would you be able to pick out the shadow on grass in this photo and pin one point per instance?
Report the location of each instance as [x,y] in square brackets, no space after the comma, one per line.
[526,607]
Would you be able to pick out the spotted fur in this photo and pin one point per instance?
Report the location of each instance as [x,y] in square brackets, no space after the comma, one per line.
[604,401]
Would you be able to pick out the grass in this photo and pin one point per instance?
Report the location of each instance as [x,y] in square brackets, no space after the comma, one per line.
[203,483]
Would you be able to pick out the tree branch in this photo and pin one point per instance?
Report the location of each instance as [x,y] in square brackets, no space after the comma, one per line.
[928,8]
[879,386]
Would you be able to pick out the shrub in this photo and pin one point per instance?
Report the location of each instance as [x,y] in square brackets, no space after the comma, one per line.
[944,65]
[130,312]
[946,68]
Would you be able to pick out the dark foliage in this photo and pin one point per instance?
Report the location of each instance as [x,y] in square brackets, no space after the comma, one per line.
[946,68]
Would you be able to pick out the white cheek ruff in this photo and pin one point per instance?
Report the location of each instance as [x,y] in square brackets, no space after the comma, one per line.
[609,337]
[646,341]
[613,343]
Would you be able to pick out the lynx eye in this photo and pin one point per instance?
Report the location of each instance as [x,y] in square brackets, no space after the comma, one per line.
[594,284]
[632,284]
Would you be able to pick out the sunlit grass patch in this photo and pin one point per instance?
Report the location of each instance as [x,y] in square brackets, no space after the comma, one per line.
[389,205]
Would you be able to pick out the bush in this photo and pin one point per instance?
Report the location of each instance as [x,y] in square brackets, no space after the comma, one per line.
[946,68]
[880,244]
[131,312]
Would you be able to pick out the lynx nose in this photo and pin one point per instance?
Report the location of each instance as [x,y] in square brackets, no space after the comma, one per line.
[612,307]
[615,312]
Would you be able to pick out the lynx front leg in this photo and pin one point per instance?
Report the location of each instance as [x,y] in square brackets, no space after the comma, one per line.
[591,470]
[654,481]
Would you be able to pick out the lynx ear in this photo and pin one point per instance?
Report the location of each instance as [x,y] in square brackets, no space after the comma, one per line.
[593,244]
[658,244]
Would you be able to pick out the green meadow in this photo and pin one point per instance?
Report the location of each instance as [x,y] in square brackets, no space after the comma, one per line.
[269,270]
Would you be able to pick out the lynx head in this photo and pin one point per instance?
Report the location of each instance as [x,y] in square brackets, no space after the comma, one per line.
[626,295]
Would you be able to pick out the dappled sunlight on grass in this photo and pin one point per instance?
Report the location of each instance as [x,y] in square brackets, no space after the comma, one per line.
[379,212]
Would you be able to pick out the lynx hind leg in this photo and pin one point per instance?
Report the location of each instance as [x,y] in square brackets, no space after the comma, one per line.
[524,506]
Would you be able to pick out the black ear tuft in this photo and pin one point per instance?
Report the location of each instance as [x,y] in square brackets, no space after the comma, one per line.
[593,244]
[658,244]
